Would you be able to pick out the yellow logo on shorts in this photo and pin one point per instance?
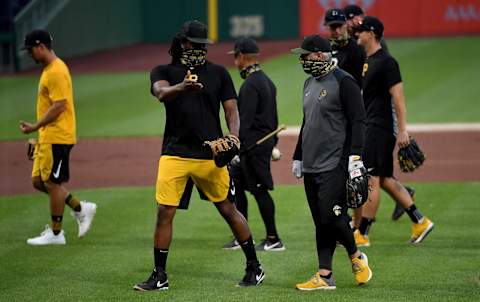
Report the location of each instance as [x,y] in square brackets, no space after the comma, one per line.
[323,92]
[365,69]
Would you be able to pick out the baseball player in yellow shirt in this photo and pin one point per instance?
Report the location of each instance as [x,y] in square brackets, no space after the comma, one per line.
[56,137]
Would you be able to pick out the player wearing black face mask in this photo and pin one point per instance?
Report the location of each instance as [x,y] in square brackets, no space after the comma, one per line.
[257,106]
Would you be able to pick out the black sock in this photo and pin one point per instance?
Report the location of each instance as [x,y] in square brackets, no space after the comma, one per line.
[327,276]
[267,211]
[249,249]
[414,214]
[160,257]
[365,225]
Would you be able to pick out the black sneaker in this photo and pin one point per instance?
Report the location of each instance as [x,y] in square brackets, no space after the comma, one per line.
[269,245]
[399,211]
[254,274]
[231,245]
[156,281]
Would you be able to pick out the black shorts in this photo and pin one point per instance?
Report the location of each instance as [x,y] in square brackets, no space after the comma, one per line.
[254,174]
[326,194]
[379,146]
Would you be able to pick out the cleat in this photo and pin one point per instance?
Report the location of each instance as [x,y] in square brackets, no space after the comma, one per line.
[85,217]
[361,270]
[361,240]
[421,230]
[156,281]
[398,211]
[47,237]
[317,282]
[254,275]
[269,245]
[231,245]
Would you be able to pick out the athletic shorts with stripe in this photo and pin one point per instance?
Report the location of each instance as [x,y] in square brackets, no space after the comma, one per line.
[51,162]
[174,173]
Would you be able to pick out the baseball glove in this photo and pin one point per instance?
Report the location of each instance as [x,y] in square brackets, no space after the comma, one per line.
[31,148]
[410,157]
[224,149]
[357,188]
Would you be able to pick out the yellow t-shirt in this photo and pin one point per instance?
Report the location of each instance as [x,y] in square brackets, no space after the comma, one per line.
[56,85]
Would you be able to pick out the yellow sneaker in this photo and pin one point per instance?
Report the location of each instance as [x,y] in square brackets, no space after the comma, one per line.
[361,240]
[317,282]
[421,230]
[361,270]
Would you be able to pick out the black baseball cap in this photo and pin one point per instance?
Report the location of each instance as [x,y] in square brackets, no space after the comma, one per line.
[36,37]
[372,24]
[335,16]
[352,11]
[196,32]
[245,45]
[313,43]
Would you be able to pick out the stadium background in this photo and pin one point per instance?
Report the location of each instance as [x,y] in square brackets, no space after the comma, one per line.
[110,47]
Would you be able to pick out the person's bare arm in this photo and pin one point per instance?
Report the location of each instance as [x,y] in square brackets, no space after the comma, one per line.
[50,116]
[401,111]
[164,92]
[231,116]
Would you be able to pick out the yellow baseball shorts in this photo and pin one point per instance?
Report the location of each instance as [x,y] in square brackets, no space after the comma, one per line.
[51,162]
[174,172]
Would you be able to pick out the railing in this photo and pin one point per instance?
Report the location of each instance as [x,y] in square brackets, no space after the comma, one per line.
[36,14]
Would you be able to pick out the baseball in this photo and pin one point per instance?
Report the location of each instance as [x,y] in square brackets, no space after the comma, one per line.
[276,154]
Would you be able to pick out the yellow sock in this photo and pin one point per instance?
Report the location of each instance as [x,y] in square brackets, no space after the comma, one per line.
[57,224]
[73,203]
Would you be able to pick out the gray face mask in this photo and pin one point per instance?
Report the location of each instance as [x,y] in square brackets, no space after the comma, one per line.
[317,68]
[193,57]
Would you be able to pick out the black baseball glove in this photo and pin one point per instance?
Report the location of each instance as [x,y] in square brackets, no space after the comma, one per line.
[31,148]
[410,157]
[224,149]
[357,183]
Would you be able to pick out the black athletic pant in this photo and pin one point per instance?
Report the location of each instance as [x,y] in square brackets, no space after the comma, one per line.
[326,195]
[265,205]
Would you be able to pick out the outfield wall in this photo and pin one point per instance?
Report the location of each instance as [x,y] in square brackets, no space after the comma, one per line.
[406,18]
[85,26]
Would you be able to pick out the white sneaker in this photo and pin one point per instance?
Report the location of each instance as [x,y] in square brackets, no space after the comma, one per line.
[47,237]
[85,217]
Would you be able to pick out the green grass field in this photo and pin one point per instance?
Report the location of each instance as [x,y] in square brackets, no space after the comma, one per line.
[440,77]
[118,252]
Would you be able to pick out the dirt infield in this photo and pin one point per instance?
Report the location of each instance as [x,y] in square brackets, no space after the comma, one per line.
[119,162]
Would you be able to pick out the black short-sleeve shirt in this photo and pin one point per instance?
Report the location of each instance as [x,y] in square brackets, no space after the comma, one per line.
[380,73]
[193,117]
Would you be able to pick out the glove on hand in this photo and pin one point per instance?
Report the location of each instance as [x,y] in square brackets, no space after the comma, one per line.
[410,157]
[31,148]
[224,149]
[357,182]
[297,168]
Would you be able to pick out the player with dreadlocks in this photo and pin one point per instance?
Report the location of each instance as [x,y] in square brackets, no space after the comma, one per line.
[192,90]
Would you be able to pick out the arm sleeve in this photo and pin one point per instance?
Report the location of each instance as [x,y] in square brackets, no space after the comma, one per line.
[247,106]
[392,73]
[58,89]
[157,74]
[297,155]
[352,102]
[227,90]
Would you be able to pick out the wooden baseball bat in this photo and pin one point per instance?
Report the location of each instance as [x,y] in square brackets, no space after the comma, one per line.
[266,137]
